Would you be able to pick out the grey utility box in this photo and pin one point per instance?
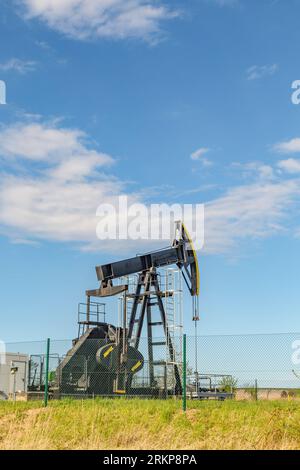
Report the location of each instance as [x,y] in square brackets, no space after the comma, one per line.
[13,374]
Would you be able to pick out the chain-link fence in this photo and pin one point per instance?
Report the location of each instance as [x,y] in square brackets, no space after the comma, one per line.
[259,366]
[245,367]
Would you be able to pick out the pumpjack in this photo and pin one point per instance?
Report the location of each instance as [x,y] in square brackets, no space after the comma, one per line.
[105,358]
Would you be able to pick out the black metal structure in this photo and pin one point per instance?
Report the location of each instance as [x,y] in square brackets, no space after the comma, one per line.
[148,295]
[119,357]
[181,253]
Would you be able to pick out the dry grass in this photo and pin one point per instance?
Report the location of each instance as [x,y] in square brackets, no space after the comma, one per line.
[149,424]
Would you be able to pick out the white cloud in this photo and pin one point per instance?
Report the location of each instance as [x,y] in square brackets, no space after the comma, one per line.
[253,211]
[199,155]
[256,72]
[116,19]
[37,142]
[58,199]
[45,142]
[290,146]
[259,170]
[43,45]
[54,183]
[291,165]
[18,65]
[265,171]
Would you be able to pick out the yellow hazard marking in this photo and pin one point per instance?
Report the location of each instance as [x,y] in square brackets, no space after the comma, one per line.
[108,351]
[136,366]
[120,391]
[196,260]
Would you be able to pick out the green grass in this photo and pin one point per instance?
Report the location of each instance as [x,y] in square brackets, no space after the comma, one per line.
[149,424]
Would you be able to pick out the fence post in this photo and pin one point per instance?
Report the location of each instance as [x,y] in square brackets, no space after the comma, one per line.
[47,373]
[184,374]
[256,390]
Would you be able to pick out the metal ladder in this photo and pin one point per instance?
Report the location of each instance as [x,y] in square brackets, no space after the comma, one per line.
[173,304]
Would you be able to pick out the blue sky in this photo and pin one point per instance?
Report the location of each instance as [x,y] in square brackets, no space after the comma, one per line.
[163,101]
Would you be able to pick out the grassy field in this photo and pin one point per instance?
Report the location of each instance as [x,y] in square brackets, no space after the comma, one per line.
[149,424]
